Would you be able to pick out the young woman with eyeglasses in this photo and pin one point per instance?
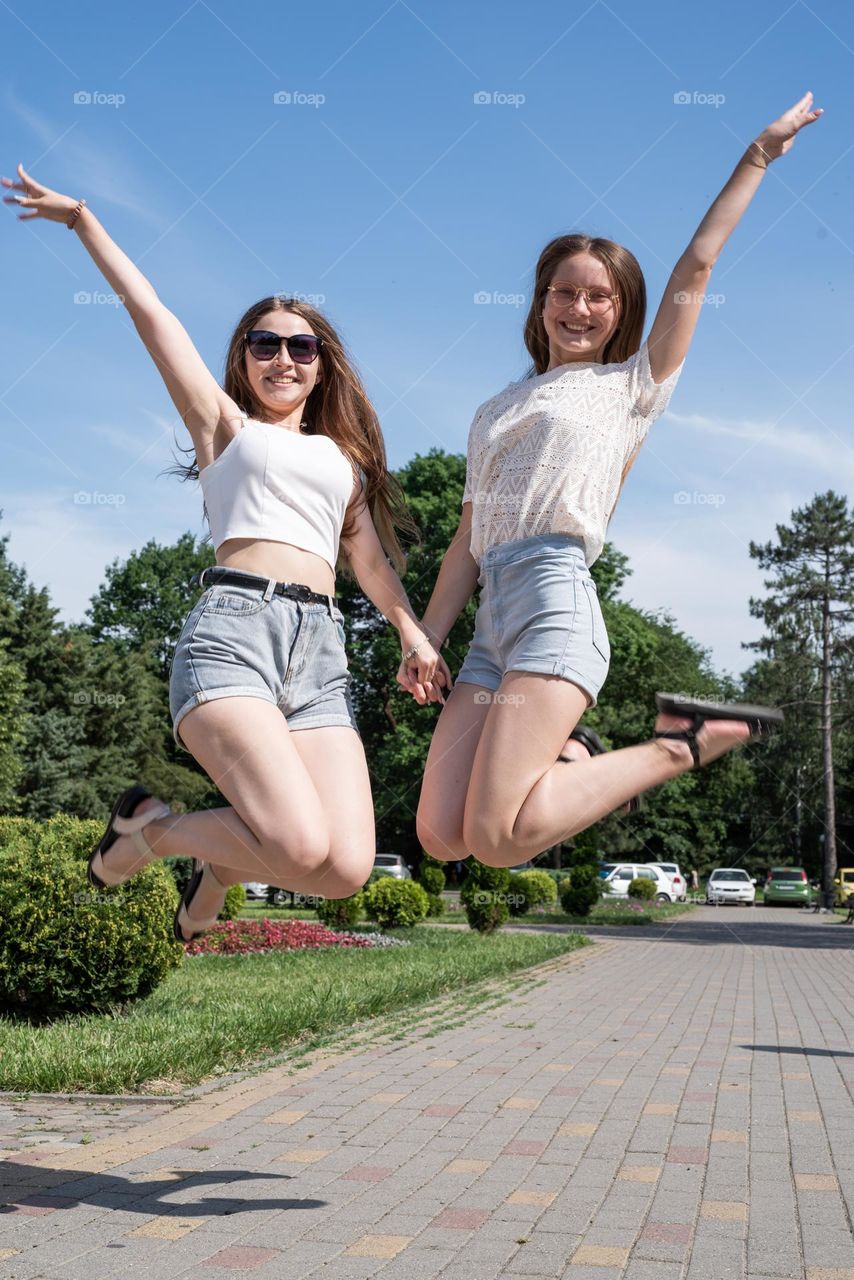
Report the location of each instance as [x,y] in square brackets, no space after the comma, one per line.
[292,464]
[547,458]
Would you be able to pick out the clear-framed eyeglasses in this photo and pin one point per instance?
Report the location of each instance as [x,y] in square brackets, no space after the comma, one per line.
[566,295]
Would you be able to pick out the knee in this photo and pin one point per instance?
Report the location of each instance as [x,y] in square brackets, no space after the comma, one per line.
[440,842]
[301,854]
[491,841]
[343,881]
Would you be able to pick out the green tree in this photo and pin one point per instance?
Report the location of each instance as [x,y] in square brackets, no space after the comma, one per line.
[809,611]
[143,602]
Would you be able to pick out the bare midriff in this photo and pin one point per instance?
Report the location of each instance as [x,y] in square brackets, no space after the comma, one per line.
[279,560]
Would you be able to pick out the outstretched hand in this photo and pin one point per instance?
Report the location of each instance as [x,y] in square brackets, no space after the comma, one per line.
[776,140]
[43,202]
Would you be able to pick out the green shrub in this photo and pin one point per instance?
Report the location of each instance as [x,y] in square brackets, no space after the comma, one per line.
[436,905]
[340,913]
[396,904]
[581,892]
[518,900]
[68,948]
[380,873]
[643,888]
[538,887]
[235,901]
[485,895]
[431,875]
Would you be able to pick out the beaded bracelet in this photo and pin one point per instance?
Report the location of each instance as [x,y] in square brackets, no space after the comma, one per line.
[75,214]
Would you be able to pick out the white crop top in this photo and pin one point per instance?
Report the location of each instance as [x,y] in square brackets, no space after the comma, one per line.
[546,455]
[272,483]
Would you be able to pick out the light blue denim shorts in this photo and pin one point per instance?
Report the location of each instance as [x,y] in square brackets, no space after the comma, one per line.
[539,611]
[234,643]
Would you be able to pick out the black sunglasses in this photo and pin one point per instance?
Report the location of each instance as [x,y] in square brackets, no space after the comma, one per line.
[303,348]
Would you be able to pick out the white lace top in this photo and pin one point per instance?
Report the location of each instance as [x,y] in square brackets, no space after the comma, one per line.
[546,455]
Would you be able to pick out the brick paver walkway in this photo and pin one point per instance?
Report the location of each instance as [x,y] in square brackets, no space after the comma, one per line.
[665,1104]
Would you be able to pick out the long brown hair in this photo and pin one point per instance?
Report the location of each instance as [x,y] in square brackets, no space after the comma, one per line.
[338,407]
[628,282]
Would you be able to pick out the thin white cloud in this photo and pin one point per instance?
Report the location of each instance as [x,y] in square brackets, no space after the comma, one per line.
[74,160]
[817,447]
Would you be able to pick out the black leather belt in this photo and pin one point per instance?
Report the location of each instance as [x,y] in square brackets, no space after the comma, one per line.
[294,590]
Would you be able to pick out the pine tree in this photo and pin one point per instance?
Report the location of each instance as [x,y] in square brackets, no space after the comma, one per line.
[810,610]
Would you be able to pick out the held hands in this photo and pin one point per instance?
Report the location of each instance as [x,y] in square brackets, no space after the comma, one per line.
[44,202]
[426,673]
[776,140]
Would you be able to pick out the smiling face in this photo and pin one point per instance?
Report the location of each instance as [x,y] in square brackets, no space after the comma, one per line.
[579,331]
[281,386]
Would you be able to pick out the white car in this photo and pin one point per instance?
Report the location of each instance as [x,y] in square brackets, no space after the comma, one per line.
[619,876]
[730,884]
[677,880]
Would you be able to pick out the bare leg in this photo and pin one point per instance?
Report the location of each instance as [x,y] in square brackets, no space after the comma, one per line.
[521,800]
[278,826]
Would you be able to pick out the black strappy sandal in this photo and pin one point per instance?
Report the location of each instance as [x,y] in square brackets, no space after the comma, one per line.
[762,721]
[187,901]
[590,739]
[121,822]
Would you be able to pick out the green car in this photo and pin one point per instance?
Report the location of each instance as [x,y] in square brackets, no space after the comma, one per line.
[787,884]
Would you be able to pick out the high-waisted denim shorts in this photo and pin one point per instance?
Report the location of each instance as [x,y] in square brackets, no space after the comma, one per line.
[236,643]
[539,611]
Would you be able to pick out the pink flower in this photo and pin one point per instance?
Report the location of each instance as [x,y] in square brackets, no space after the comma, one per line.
[245,937]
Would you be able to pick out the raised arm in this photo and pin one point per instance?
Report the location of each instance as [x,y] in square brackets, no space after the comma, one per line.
[676,319]
[197,395]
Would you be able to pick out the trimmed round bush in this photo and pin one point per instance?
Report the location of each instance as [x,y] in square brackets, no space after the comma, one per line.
[643,889]
[340,913]
[484,896]
[581,892]
[235,901]
[538,887]
[396,904]
[65,947]
[518,900]
[431,877]
[436,905]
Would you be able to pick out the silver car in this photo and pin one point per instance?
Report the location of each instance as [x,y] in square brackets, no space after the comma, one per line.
[392,864]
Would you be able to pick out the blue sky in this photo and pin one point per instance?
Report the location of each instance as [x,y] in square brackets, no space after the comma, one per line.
[387,190]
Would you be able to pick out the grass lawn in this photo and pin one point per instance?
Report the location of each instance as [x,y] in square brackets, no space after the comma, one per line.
[217,1014]
[610,913]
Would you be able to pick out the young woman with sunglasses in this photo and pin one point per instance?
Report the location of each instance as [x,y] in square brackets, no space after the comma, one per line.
[292,464]
[547,458]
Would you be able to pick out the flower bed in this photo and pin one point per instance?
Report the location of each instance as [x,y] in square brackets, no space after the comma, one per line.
[246,937]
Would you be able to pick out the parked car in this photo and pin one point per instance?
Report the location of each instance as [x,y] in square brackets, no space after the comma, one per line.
[392,864]
[844,884]
[677,880]
[255,892]
[523,866]
[787,885]
[730,884]
[621,875]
